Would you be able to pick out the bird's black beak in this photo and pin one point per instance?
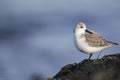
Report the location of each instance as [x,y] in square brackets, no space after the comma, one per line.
[89,31]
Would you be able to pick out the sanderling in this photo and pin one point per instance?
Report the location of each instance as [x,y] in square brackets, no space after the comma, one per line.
[88,41]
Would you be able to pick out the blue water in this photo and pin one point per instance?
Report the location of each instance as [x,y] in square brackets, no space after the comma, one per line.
[36,37]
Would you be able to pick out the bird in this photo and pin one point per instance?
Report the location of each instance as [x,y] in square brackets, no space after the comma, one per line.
[89,41]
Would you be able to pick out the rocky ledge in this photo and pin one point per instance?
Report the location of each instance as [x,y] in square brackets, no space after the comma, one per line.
[106,68]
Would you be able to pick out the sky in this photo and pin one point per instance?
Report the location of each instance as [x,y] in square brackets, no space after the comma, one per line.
[45,6]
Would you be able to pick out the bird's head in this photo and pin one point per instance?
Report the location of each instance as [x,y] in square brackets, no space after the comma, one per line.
[80,28]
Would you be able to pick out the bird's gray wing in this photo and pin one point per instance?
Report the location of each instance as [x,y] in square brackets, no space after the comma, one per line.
[95,40]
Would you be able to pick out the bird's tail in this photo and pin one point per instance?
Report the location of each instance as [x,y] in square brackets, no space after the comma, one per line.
[113,43]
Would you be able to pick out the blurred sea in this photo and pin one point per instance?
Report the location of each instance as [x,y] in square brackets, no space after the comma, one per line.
[36,36]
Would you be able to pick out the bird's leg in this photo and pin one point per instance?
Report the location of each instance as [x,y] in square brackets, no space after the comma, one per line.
[99,54]
[90,56]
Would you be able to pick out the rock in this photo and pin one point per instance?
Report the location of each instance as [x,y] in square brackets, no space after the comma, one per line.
[36,76]
[106,68]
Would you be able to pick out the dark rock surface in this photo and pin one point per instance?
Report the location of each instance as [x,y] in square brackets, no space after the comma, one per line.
[106,68]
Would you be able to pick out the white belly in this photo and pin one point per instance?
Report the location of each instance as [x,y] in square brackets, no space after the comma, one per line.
[82,45]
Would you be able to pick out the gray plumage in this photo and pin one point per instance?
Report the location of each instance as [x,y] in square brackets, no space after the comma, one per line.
[95,40]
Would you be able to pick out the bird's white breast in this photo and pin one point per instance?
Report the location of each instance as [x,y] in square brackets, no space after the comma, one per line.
[83,46]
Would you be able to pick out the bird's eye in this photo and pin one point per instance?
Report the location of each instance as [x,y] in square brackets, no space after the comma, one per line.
[81,26]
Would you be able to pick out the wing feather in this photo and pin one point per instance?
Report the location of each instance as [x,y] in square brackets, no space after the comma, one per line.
[95,40]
